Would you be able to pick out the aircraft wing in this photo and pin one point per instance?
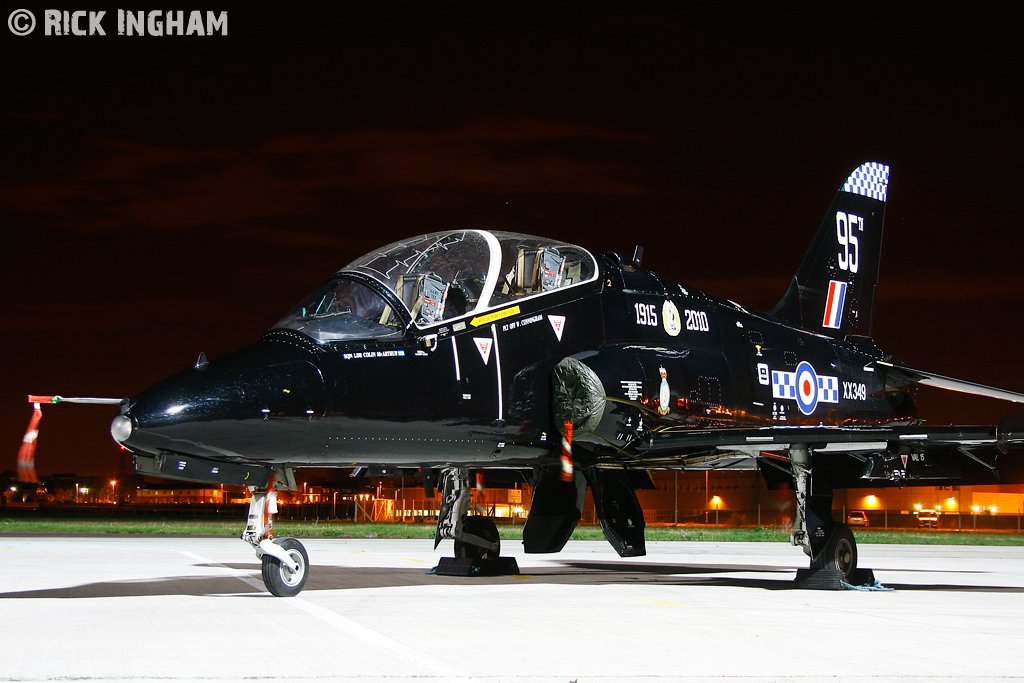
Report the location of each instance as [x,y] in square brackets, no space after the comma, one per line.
[944,449]
[857,456]
[899,374]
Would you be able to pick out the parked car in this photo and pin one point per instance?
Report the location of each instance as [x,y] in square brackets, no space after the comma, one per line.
[857,518]
[928,518]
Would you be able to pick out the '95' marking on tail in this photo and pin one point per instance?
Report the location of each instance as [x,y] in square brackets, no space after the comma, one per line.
[849,252]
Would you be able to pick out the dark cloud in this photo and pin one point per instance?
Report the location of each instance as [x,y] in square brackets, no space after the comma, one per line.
[132,185]
[952,288]
[923,287]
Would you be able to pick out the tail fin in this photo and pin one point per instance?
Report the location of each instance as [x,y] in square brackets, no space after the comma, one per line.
[833,291]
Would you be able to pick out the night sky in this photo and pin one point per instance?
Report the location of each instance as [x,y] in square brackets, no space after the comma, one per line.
[163,196]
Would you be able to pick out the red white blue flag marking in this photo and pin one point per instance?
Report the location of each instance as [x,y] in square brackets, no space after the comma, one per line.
[834,304]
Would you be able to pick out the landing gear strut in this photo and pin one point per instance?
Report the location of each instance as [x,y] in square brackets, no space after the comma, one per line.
[829,544]
[285,562]
[477,543]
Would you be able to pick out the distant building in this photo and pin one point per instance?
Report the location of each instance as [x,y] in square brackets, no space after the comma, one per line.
[164,495]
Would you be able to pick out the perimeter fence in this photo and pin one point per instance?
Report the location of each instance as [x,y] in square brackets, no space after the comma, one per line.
[324,512]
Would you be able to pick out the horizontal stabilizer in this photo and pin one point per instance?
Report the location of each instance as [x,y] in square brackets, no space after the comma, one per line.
[941,381]
[1010,430]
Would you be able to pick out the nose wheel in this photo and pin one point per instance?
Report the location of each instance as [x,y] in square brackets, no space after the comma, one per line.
[286,579]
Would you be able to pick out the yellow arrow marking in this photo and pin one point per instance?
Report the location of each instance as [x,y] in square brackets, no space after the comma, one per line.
[497,315]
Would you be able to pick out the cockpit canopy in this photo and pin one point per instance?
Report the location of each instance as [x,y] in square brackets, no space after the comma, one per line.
[437,277]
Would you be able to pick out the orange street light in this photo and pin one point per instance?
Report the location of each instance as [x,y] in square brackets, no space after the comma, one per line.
[717,503]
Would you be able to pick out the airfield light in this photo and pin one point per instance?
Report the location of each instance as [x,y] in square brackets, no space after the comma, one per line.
[717,501]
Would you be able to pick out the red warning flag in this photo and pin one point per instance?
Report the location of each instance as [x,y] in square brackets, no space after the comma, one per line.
[27,452]
[567,452]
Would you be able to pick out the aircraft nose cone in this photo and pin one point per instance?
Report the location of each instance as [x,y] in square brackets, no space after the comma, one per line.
[121,428]
[254,403]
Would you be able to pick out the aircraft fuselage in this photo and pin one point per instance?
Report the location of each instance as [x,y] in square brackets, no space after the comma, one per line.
[477,391]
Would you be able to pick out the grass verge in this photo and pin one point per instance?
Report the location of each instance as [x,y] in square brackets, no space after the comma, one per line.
[384,530]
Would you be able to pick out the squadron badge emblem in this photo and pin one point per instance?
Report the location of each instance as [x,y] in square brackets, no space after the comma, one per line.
[670,317]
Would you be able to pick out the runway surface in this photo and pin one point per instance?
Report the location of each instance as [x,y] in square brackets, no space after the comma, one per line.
[131,608]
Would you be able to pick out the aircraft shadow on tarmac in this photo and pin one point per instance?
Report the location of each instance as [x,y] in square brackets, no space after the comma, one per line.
[569,573]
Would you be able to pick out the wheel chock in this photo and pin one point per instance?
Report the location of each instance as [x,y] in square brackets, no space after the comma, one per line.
[467,566]
[833,579]
[820,579]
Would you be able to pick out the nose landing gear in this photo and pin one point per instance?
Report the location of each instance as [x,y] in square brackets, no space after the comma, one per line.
[285,562]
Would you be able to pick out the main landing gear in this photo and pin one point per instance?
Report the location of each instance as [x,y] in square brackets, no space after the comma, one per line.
[829,544]
[285,562]
[477,543]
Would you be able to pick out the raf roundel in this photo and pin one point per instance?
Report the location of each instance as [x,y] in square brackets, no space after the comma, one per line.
[806,388]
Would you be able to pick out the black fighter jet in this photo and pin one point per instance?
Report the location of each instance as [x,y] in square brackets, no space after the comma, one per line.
[447,353]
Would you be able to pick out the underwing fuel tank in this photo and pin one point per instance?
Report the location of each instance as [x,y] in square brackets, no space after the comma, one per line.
[257,403]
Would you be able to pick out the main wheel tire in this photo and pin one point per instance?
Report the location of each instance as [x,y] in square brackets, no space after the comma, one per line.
[485,528]
[278,578]
[840,552]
